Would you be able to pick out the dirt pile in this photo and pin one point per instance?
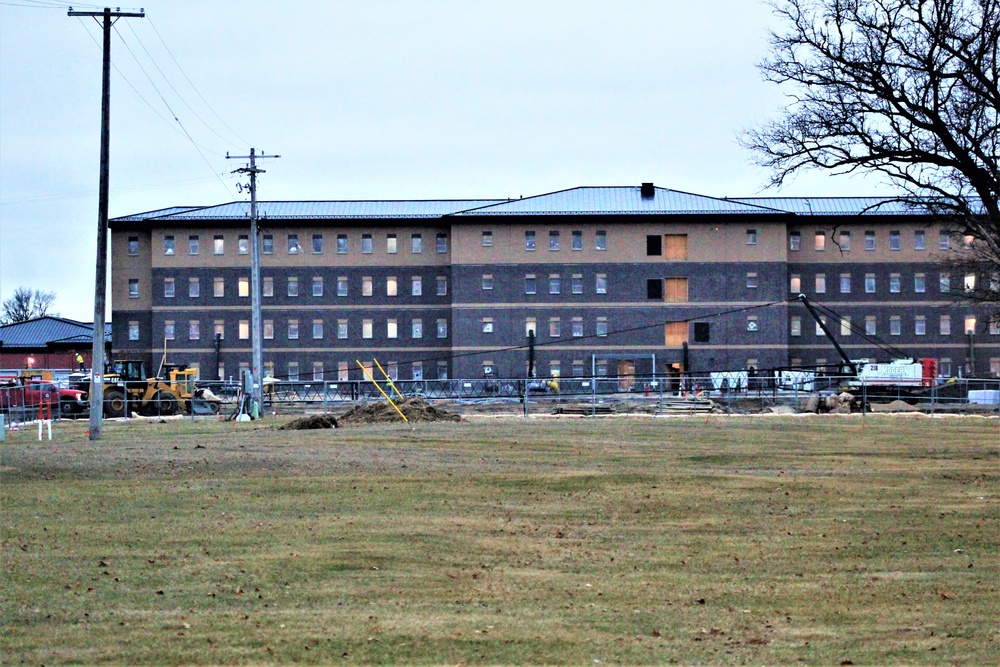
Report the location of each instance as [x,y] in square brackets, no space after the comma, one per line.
[309,422]
[415,408]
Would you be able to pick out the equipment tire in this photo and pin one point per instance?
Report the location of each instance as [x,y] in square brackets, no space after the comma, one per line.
[167,403]
[114,403]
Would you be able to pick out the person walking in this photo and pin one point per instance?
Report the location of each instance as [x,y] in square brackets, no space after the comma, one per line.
[79,361]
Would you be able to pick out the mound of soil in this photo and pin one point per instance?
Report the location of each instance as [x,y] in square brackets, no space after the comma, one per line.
[309,422]
[415,408]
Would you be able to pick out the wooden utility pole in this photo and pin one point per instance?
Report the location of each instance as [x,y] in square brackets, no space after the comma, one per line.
[101,283]
[256,324]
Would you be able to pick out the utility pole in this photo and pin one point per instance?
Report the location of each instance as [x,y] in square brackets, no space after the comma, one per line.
[256,329]
[101,283]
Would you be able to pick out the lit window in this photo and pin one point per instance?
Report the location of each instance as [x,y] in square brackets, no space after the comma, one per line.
[970,324]
[845,240]
[244,287]
[530,326]
[820,241]
[487,325]
[845,326]
[970,282]
[366,328]
[391,286]
[218,245]
[244,328]
[219,329]
[391,329]
[366,286]
[795,283]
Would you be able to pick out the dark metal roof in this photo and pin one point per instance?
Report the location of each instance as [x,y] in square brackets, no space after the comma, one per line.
[836,205]
[321,210]
[626,200]
[42,331]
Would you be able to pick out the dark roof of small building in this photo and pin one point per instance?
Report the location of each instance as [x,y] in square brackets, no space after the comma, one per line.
[836,205]
[43,331]
[309,210]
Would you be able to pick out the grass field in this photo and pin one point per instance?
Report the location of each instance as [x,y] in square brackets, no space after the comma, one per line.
[777,540]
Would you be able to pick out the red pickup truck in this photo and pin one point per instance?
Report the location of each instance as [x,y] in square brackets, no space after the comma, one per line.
[17,394]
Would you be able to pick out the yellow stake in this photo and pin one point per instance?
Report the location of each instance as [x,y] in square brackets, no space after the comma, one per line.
[372,380]
[388,379]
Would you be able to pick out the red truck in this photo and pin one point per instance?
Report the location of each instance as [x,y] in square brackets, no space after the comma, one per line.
[19,394]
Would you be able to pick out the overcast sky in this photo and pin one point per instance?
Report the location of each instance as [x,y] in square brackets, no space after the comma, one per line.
[373,99]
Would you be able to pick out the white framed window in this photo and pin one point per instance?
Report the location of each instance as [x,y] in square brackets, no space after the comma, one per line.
[894,240]
[267,244]
[820,242]
[895,283]
[293,244]
[168,288]
[795,325]
[441,244]
[243,286]
[218,287]
[601,328]
[487,281]
[442,285]
[555,327]
[820,283]
[243,244]
[554,241]
[342,329]
[317,286]
[920,325]
[341,244]
[168,330]
[870,240]
[366,244]
[392,328]
[391,286]
[416,328]
[601,283]
[919,240]
[751,237]
[529,241]
[600,240]
[133,288]
[577,283]
[267,327]
[366,328]
[416,244]
[194,288]
[794,241]
[194,330]
[133,330]
[317,329]
[577,244]
[945,325]
[219,245]
[487,325]
[416,286]
[442,328]
[390,244]
[244,329]
[870,325]
[845,240]
[366,286]
[168,245]
[869,283]
[317,244]
[487,239]
[267,288]
[293,286]
[919,283]
[341,285]
[194,244]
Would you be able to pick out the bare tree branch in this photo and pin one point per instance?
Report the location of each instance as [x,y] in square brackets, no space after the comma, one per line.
[26,305]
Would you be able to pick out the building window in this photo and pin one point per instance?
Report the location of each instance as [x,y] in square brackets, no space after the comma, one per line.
[168,245]
[751,280]
[168,288]
[267,327]
[194,288]
[970,282]
[366,244]
[994,326]
[293,371]
[894,283]
[268,287]
[675,334]
[577,283]
[845,241]
[845,283]
[341,244]
[366,328]
[944,240]
[342,329]
[577,239]
[869,283]
[133,330]
[390,244]
[529,284]
[133,245]
[392,328]
[796,325]
[267,244]
[944,283]
[487,325]
[601,240]
[341,285]
[555,327]
[819,326]
[317,244]
[845,326]
[601,328]
[702,332]
[554,241]
[416,286]
[945,325]
[675,290]
[193,244]
[675,247]
[416,328]
[218,245]
[751,237]
[870,325]
[391,286]
[530,326]
[870,240]
[218,287]
[919,240]
[441,243]
[219,329]
[529,240]
[442,328]
[243,286]
[417,370]
[194,330]
[317,375]
[487,239]
[555,283]
[293,244]
[244,329]
[576,327]
[487,281]
[654,288]
[794,241]
[654,245]
[416,244]
[919,283]
[293,286]
[970,324]
[366,286]
[442,285]
[820,241]
[752,323]
[795,283]
[601,283]
[894,240]
[317,286]
[243,244]
[920,325]
[820,283]
[442,368]
[944,367]
[895,325]
[168,330]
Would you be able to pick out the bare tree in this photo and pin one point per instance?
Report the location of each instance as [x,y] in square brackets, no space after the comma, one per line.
[25,305]
[907,88]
